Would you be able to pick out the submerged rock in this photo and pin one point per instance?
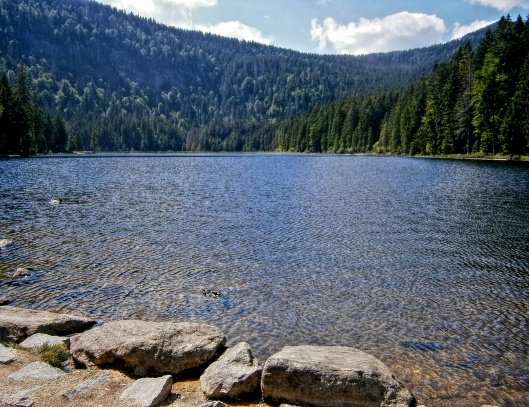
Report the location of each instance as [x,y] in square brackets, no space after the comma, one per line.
[212,293]
[324,376]
[22,272]
[163,347]
[237,372]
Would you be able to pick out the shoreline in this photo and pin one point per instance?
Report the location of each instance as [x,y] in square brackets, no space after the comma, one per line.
[187,388]
[109,154]
[136,352]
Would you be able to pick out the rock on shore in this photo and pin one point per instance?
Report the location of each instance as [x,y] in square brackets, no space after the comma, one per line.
[236,373]
[324,376]
[16,324]
[308,376]
[162,347]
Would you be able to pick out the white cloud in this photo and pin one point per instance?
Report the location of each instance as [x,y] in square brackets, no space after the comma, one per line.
[462,30]
[236,29]
[171,12]
[502,5]
[394,32]
[179,13]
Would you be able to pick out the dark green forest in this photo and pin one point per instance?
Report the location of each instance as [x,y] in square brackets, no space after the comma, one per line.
[477,103]
[79,75]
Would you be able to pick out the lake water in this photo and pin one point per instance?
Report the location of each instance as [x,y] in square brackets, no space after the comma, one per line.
[423,263]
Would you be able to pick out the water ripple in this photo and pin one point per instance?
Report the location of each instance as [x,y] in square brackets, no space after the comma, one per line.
[423,263]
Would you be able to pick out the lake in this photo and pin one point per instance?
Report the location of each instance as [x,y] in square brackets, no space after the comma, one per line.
[423,263]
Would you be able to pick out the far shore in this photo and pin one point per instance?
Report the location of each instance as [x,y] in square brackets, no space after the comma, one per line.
[89,154]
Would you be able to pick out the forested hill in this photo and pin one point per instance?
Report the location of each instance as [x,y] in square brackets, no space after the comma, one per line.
[123,82]
[477,103]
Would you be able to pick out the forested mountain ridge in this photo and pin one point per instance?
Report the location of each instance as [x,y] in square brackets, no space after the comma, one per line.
[476,103]
[123,82]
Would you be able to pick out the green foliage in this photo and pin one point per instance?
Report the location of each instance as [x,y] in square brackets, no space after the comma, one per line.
[476,103]
[121,82]
[54,355]
[24,127]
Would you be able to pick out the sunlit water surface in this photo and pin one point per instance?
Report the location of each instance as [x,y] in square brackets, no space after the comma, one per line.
[423,263]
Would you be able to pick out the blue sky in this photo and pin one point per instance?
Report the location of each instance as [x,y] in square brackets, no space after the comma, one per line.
[331,26]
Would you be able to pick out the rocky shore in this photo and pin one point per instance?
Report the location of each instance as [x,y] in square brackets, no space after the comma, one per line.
[142,363]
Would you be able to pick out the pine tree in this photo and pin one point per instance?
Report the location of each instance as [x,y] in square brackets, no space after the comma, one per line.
[515,127]
[59,135]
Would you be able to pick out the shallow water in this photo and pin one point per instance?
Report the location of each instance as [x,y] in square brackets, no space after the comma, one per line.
[423,263]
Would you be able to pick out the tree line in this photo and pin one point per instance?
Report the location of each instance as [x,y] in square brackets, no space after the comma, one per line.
[122,82]
[477,103]
[25,128]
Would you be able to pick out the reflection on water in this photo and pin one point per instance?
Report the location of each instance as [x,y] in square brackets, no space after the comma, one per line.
[423,263]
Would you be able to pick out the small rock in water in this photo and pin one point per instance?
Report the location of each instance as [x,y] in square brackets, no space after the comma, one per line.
[212,293]
[5,243]
[22,272]
[5,301]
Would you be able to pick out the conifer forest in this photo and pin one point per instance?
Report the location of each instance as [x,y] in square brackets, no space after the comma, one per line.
[77,75]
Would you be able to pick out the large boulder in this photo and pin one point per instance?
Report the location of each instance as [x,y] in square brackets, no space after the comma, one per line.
[323,376]
[236,373]
[162,347]
[16,324]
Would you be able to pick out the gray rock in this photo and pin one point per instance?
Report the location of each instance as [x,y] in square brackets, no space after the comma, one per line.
[21,398]
[37,340]
[331,377]
[214,404]
[149,392]
[89,384]
[19,323]
[7,355]
[163,347]
[237,372]
[38,370]
[22,272]
[5,243]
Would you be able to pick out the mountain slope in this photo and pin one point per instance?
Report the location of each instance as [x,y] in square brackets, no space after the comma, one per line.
[124,82]
[476,103]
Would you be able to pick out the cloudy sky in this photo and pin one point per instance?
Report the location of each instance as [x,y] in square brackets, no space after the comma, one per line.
[331,26]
